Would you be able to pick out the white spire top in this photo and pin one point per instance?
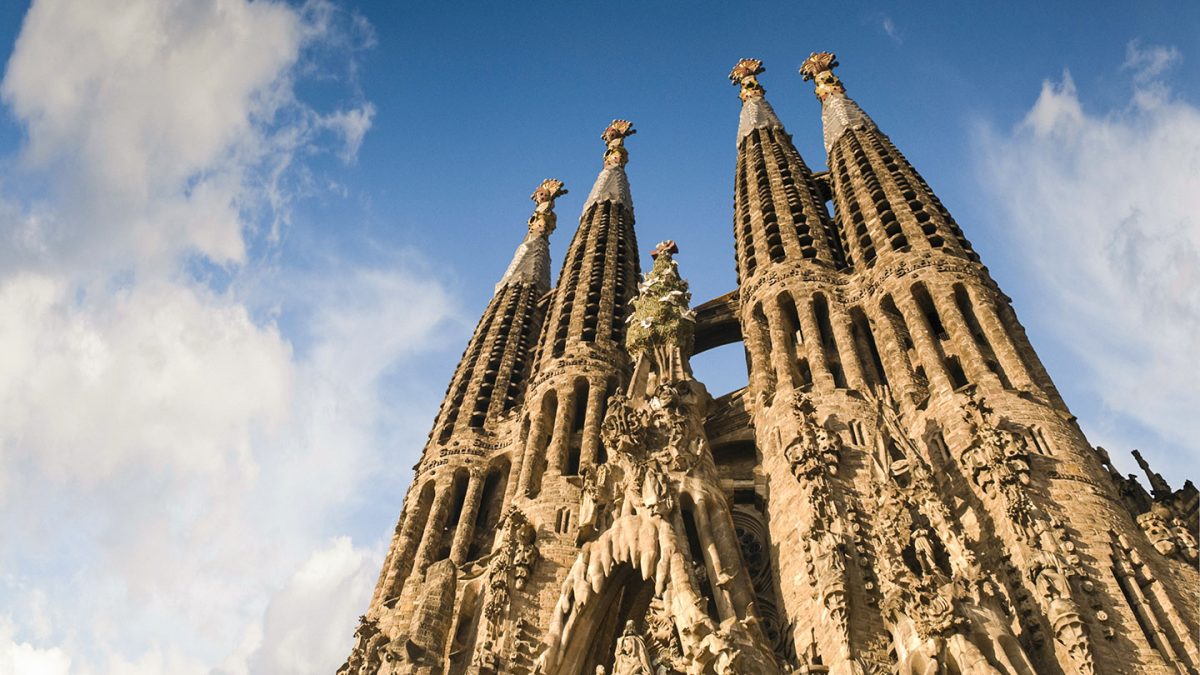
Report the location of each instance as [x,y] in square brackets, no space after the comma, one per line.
[612,185]
[531,262]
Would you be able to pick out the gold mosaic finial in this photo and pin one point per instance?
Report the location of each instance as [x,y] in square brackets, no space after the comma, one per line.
[744,74]
[543,219]
[614,136]
[818,67]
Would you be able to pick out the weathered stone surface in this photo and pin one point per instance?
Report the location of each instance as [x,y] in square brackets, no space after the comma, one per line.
[899,489]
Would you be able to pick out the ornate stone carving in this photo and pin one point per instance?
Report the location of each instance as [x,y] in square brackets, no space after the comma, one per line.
[544,220]
[744,75]
[662,320]
[815,452]
[631,656]
[818,67]
[368,652]
[614,137]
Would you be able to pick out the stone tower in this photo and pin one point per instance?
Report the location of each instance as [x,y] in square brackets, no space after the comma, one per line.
[899,489]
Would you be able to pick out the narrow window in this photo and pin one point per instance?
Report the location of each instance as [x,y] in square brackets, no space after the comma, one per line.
[575,440]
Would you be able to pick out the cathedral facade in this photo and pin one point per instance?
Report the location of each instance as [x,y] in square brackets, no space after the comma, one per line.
[899,489]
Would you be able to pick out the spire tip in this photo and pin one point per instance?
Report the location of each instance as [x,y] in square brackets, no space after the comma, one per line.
[744,74]
[543,219]
[818,67]
[614,137]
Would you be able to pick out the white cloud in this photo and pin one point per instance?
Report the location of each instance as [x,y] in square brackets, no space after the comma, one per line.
[154,374]
[889,27]
[187,524]
[332,588]
[171,454]
[1150,62]
[156,119]
[22,658]
[1107,214]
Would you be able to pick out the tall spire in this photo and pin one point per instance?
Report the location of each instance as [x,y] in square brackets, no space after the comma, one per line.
[838,112]
[612,184]
[779,213]
[599,273]
[756,112]
[531,262]
[494,369]
[882,203]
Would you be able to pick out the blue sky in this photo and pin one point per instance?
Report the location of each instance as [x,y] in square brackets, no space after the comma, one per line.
[245,243]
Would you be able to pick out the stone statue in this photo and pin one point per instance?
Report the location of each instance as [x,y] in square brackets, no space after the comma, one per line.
[631,656]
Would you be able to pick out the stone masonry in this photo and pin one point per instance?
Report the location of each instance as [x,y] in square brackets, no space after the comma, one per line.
[899,489]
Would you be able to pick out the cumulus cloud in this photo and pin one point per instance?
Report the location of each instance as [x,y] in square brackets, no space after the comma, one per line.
[176,457]
[152,374]
[332,587]
[1106,211]
[156,119]
[22,658]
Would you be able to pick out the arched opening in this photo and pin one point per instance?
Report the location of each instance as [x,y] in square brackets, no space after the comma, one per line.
[491,501]
[793,339]
[544,436]
[593,638]
[414,527]
[459,490]
[868,350]
[759,332]
[465,629]
[967,308]
[574,444]
[610,388]
[832,358]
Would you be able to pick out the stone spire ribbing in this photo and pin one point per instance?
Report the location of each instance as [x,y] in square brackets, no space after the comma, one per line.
[531,262]
[497,357]
[599,273]
[882,204]
[779,213]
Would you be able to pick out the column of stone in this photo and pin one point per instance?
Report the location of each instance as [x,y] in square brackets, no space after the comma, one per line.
[431,538]
[759,347]
[591,425]
[960,333]
[401,551]
[927,349]
[712,560]
[1006,351]
[466,518]
[891,351]
[840,321]
[822,377]
[780,357]
[537,429]
[561,433]
[725,539]
[516,468]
